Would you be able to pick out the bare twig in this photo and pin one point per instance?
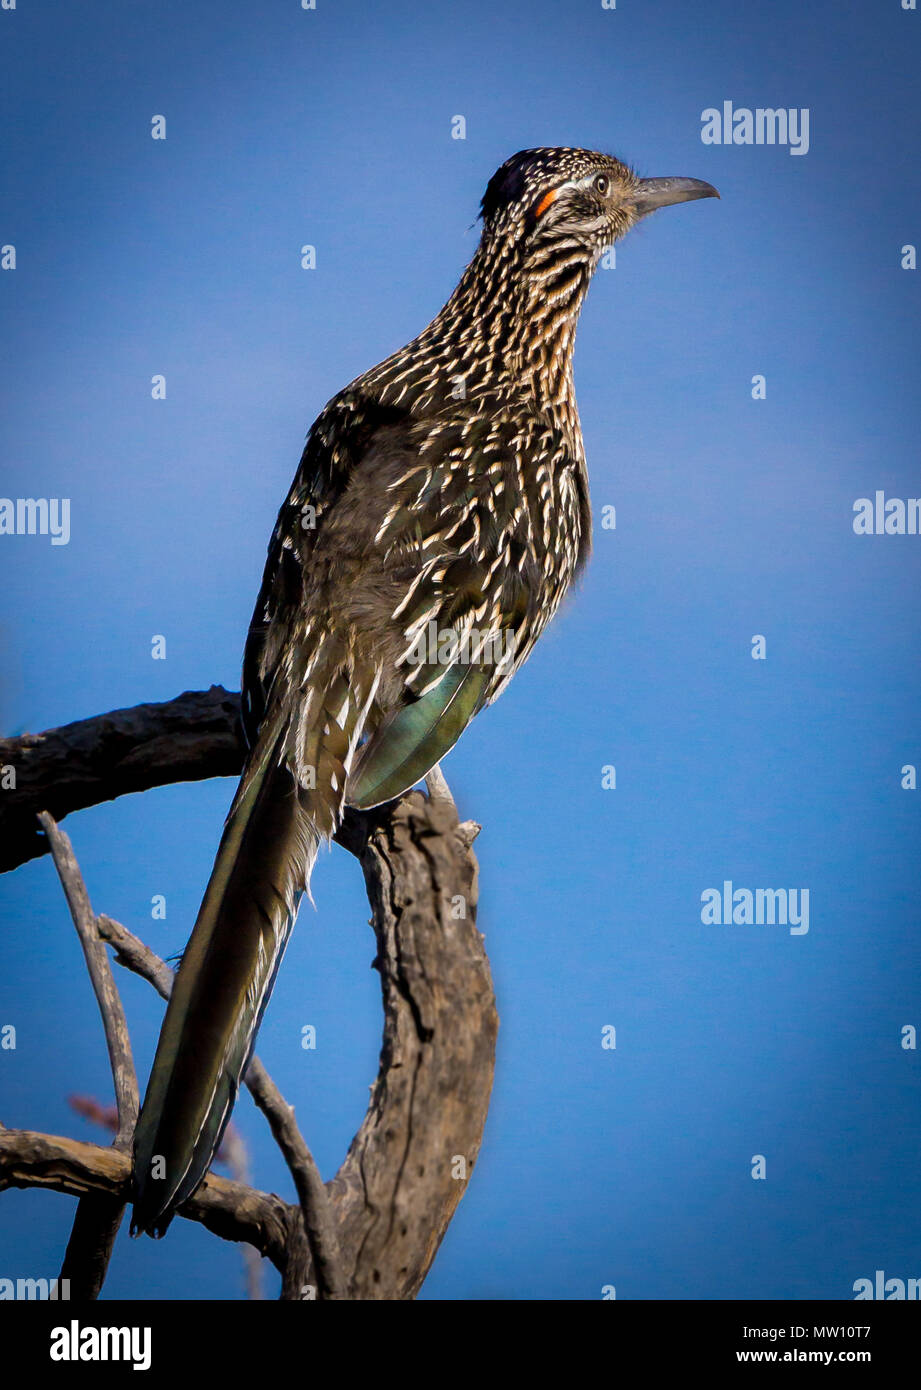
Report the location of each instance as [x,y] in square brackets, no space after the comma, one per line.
[319,1222]
[131,952]
[114,1022]
[98,1217]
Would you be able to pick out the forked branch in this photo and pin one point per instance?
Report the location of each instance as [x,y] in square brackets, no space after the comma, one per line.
[391,1201]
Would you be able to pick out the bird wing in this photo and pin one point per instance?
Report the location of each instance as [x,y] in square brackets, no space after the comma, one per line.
[343,436]
[417,736]
[473,528]
[430,542]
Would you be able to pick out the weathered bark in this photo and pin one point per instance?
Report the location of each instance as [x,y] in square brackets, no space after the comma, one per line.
[410,1161]
[197,735]
[228,1209]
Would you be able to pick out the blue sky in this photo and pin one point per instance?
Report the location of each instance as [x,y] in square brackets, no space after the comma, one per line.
[181,257]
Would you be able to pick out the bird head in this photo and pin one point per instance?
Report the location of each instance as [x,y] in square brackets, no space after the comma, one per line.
[576,196]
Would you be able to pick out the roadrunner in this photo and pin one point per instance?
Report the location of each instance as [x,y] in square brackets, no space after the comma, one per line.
[439,514]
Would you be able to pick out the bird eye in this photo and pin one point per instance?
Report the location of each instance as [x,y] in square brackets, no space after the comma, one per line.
[602,184]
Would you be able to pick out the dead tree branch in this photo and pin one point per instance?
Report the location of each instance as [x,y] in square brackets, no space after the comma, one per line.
[196,735]
[319,1221]
[114,1023]
[97,1217]
[410,1161]
[228,1209]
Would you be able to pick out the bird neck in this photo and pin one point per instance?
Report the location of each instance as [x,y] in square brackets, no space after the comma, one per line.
[509,325]
[512,319]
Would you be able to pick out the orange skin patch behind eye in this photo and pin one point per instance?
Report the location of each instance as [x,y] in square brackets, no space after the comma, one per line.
[545,202]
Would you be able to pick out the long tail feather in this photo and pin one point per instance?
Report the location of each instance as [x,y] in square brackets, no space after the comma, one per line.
[263,865]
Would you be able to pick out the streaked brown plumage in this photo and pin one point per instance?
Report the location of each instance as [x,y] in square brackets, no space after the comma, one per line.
[439,515]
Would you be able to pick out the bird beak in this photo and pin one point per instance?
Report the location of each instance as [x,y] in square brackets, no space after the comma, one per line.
[659,193]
